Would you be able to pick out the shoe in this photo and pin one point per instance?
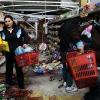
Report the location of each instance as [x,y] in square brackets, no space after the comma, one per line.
[71,89]
[65,84]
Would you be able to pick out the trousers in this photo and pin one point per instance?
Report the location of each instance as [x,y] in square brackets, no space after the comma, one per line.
[66,74]
[10,64]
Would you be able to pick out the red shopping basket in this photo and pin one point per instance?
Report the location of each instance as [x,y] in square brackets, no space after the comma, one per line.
[83,68]
[27,59]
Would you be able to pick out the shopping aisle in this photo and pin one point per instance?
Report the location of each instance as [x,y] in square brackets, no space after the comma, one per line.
[41,86]
[43,89]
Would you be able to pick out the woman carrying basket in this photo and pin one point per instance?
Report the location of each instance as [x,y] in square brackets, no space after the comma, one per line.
[15,36]
[65,35]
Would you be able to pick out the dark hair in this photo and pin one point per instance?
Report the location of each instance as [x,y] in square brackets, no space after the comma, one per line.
[8,16]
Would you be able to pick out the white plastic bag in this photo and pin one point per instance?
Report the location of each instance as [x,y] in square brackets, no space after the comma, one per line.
[28,49]
[80,45]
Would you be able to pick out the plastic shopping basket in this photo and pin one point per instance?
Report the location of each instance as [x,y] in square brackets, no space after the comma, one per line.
[83,68]
[27,59]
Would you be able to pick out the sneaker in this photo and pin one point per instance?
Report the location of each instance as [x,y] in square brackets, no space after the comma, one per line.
[71,89]
[65,84]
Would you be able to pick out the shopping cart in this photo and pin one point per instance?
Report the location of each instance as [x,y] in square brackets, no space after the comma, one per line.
[83,68]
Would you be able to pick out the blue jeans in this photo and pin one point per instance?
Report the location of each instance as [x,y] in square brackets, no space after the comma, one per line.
[66,74]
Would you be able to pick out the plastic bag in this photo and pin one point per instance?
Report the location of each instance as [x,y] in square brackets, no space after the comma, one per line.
[87,31]
[1,45]
[1,40]
[80,45]
[4,45]
[19,50]
[28,49]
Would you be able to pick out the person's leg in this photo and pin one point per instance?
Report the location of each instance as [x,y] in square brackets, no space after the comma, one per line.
[66,75]
[9,69]
[20,76]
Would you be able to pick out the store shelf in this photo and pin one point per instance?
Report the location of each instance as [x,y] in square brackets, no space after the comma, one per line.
[54,27]
[52,35]
[54,39]
[53,44]
[58,22]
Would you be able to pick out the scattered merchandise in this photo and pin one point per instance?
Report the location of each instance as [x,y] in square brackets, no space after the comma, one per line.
[54,67]
[39,70]
[56,55]
[2,87]
[42,46]
[2,91]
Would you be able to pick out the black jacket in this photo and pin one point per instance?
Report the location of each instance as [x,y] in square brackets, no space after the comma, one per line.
[13,40]
[67,35]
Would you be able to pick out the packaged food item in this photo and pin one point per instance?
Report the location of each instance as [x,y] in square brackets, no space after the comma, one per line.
[0,40]
[4,45]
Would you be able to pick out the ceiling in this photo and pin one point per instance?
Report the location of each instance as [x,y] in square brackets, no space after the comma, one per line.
[36,6]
